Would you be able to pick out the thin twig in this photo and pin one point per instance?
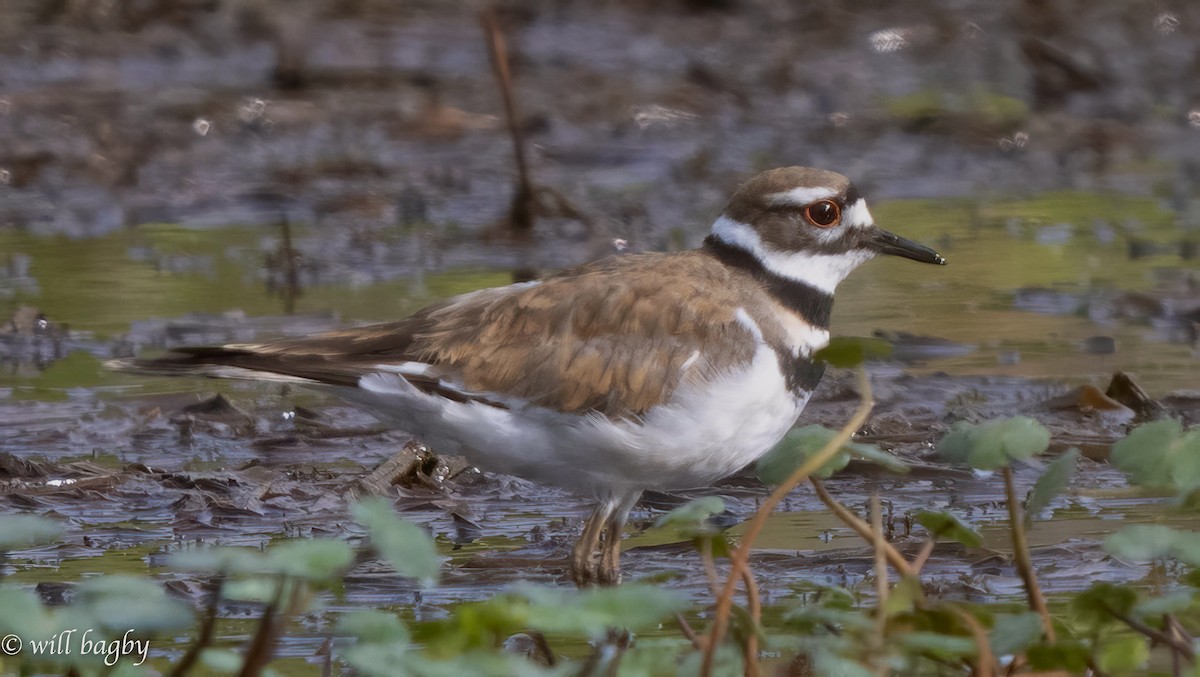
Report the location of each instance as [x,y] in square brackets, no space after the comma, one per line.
[741,556]
[521,213]
[881,577]
[986,664]
[207,632]
[923,556]
[750,648]
[1176,664]
[1178,629]
[291,279]
[898,562]
[1162,638]
[710,566]
[262,645]
[686,628]
[1021,552]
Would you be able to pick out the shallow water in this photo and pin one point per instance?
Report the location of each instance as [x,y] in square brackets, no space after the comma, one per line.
[144,178]
[1016,301]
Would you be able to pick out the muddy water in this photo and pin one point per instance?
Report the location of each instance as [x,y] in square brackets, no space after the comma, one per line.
[157,285]
[146,172]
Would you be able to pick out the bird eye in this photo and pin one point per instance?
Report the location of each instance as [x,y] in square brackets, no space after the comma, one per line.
[823,214]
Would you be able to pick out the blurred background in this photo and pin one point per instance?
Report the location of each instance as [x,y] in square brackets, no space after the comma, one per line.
[187,171]
[351,157]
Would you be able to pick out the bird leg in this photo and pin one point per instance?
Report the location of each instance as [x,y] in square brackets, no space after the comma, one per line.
[584,556]
[610,557]
[596,559]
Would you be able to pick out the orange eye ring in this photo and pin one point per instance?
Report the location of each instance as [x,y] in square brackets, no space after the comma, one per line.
[823,213]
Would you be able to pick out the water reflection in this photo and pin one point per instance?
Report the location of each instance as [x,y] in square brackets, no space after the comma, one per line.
[1037,287]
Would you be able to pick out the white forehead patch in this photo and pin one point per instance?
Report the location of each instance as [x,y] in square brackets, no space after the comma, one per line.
[822,271]
[857,215]
[802,195]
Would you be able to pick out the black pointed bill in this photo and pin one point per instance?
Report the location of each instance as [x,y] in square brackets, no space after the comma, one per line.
[884,242]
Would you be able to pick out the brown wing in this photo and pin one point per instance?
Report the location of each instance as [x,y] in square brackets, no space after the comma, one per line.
[612,337]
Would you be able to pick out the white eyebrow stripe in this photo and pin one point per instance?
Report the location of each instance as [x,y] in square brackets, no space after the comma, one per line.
[823,271]
[857,215]
[802,195]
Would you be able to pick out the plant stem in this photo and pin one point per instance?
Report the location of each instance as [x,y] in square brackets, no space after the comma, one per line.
[741,556]
[750,649]
[923,556]
[986,663]
[521,213]
[1021,553]
[860,527]
[207,630]
[881,580]
[262,645]
[710,566]
[1169,641]
[686,629]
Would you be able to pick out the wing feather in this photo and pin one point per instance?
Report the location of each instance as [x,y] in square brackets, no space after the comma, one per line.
[615,337]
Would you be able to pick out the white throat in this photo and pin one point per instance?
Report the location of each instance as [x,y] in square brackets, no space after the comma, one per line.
[822,271]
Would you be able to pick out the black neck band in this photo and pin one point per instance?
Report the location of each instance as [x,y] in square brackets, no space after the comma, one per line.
[810,303]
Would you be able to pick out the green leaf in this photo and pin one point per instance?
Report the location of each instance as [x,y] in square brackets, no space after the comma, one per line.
[727,662]
[1051,483]
[383,659]
[1173,603]
[994,444]
[22,612]
[817,619]
[1063,655]
[405,545]
[218,560]
[24,531]
[221,660]
[1146,542]
[829,664]
[1160,455]
[260,589]
[939,646]
[119,602]
[800,444]
[850,351]
[904,597]
[946,525]
[691,518]
[1012,633]
[593,611]
[1123,654]
[1101,604]
[373,626]
[314,559]
[653,656]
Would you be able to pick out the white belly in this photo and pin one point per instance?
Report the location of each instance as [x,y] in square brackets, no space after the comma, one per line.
[702,434]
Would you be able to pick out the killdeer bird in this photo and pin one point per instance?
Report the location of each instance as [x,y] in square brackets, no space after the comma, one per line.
[641,371]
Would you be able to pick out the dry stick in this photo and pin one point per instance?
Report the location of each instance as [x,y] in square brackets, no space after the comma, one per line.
[1021,551]
[1178,629]
[861,528]
[710,566]
[741,556]
[881,577]
[686,629]
[521,212]
[291,279]
[923,556]
[750,650]
[987,660]
[1169,641]
[207,631]
[1176,664]
[262,645]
